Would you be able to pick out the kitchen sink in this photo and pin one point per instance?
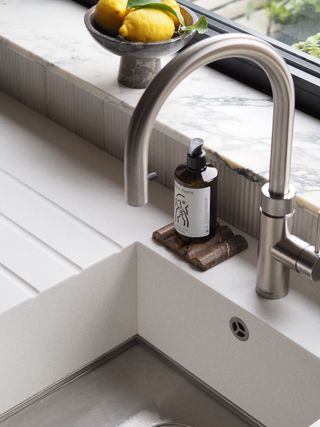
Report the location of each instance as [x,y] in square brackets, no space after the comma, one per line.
[138,387]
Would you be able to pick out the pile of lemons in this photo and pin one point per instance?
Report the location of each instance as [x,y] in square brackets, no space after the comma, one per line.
[136,25]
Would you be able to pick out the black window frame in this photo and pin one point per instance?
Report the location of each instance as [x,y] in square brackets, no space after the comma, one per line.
[305,72]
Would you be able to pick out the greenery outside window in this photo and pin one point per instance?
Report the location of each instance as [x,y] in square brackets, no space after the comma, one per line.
[291,26]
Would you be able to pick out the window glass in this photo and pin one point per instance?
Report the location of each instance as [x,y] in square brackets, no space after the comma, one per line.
[293,22]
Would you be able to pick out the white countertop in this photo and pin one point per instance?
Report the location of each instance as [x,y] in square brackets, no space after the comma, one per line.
[49,218]
[234,120]
[80,274]
[67,207]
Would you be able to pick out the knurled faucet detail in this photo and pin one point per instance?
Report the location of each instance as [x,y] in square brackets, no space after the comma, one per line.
[278,250]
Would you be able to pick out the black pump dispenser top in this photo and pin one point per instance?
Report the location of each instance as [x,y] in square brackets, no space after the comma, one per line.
[196,159]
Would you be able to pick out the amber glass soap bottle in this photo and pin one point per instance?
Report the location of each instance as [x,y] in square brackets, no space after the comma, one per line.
[195,196]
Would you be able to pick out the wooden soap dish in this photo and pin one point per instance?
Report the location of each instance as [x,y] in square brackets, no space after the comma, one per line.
[223,245]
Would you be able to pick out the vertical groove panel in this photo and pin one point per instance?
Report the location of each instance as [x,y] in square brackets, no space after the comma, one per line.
[23,79]
[60,94]
[243,207]
[33,85]
[238,197]
[9,71]
[165,155]
[221,178]
[251,212]
[116,123]
[257,197]
[305,224]
[89,123]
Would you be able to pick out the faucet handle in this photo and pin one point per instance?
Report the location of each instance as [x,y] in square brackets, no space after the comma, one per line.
[317,242]
[152,176]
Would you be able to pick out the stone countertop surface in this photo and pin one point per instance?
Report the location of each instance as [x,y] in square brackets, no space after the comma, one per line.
[62,200]
[80,274]
[233,119]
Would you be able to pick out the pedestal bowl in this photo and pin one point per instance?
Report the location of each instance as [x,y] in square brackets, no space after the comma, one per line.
[140,62]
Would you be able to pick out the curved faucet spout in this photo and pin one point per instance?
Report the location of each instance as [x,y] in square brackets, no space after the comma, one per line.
[200,54]
[278,250]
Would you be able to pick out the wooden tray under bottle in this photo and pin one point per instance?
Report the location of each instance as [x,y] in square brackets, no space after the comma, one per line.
[223,245]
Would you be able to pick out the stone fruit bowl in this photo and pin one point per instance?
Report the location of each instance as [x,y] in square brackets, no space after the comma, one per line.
[140,62]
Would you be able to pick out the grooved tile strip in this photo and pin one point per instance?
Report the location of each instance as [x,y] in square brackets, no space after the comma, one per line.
[89,120]
[10,72]
[33,81]
[60,95]
[115,123]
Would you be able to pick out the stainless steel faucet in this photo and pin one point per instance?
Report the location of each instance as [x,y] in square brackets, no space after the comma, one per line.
[278,250]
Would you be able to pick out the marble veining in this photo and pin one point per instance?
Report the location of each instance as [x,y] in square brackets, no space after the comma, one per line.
[234,120]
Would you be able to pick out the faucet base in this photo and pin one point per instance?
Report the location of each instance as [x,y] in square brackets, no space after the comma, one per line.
[276,214]
[273,295]
[272,275]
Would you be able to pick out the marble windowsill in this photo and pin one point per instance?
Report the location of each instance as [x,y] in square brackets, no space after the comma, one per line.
[234,120]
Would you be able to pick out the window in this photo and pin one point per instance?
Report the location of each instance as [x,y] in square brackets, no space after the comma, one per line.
[289,21]
[268,20]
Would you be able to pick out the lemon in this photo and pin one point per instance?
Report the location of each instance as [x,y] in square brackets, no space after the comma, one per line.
[147,25]
[110,14]
[176,7]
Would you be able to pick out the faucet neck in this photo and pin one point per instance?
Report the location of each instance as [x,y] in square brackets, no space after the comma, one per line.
[192,58]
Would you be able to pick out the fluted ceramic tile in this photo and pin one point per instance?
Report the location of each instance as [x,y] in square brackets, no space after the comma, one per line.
[115,124]
[23,78]
[10,70]
[305,224]
[88,116]
[60,94]
[32,78]
[165,155]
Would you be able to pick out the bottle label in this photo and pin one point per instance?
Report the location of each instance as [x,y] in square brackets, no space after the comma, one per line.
[192,210]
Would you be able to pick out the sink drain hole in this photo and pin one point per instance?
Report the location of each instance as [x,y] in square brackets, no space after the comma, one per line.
[239,328]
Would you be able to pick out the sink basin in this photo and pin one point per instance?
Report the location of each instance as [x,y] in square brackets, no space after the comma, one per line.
[224,352]
[137,388]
